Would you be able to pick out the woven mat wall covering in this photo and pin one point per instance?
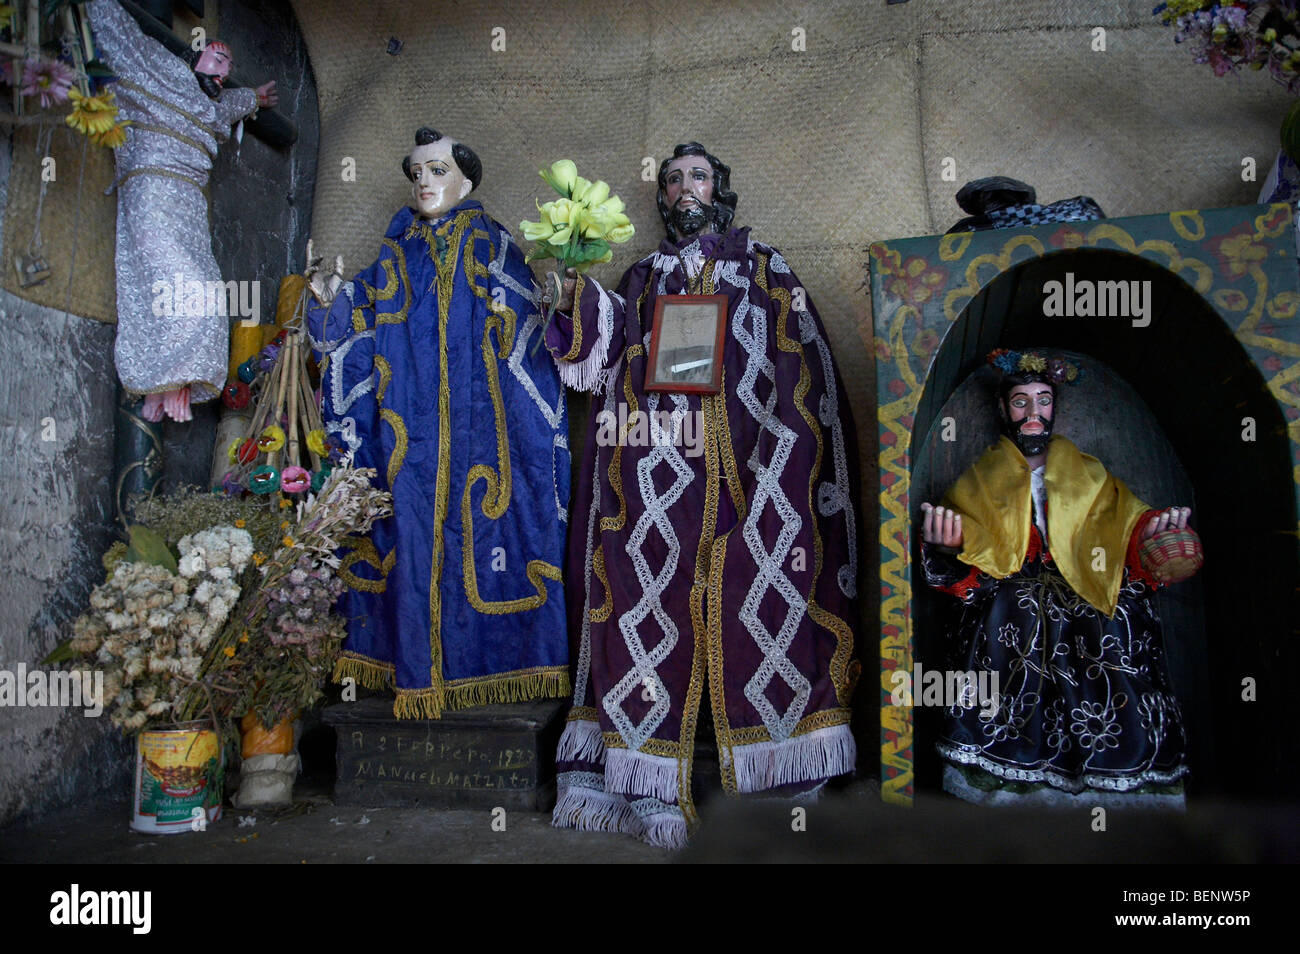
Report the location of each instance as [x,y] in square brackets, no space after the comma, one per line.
[831,148]
[78,223]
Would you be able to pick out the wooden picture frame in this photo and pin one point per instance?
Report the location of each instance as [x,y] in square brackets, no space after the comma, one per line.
[685,348]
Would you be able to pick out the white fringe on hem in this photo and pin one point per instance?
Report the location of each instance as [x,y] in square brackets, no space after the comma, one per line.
[588,810]
[585,809]
[581,742]
[824,753]
[637,774]
[590,374]
[666,831]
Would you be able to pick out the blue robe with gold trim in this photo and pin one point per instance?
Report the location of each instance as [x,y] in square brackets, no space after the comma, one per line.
[429,375]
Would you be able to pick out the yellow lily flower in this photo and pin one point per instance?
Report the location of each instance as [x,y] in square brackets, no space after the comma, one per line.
[598,221]
[620,233]
[595,193]
[536,231]
[561,176]
[562,214]
[610,206]
[593,226]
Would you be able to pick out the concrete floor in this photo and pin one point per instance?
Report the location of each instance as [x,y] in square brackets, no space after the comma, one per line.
[316,832]
[847,825]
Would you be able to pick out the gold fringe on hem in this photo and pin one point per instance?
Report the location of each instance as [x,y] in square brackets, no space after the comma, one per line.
[492,690]
[419,703]
[367,672]
[539,684]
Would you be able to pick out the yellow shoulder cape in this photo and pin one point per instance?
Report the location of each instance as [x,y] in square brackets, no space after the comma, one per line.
[1087,509]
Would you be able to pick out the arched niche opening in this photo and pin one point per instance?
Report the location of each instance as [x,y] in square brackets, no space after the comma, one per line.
[1166,406]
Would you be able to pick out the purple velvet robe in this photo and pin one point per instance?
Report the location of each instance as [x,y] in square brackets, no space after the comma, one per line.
[712,548]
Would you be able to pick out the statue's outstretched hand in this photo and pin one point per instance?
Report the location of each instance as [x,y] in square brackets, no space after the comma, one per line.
[565,302]
[324,285]
[941,527]
[266,95]
[1175,518]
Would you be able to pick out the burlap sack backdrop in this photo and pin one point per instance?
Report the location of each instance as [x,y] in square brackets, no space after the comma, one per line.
[77,219]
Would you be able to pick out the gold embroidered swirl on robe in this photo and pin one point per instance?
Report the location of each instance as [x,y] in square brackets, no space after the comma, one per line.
[363,551]
[500,321]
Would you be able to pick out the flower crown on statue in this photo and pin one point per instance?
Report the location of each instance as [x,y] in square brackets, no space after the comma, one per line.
[1058,371]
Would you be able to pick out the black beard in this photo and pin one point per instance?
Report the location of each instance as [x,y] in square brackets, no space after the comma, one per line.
[688,220]
[209,84]
[1031,445]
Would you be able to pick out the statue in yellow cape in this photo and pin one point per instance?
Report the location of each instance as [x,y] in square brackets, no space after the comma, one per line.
[1044,548]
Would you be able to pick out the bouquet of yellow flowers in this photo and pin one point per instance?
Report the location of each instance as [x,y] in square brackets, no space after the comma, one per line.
[577,228]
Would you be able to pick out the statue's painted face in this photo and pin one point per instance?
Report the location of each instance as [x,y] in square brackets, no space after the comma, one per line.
[215,60]
[1030,408]
[436,181]
[688,191]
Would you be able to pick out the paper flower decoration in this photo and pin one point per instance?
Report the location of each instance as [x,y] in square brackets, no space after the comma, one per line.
[50,80]
[92,115]
[1057,370]
[316,442]
[272,439]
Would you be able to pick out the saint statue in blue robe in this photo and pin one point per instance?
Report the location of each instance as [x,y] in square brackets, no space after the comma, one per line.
[429,375]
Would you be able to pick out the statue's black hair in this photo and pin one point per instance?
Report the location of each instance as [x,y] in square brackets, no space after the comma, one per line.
[466,159]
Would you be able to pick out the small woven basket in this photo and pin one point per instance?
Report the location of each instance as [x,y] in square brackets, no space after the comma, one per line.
[1172,555]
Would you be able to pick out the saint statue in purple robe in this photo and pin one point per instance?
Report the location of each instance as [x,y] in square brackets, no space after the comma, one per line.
[713,559]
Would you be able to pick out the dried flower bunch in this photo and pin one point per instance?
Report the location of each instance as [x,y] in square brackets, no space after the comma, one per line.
[180,511]
[150,629]
[239,619]
[291,639]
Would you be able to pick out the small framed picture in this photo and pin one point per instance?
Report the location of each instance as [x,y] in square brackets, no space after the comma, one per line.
[686,344]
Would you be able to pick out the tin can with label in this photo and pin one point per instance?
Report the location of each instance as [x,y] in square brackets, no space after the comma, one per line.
[178,779]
